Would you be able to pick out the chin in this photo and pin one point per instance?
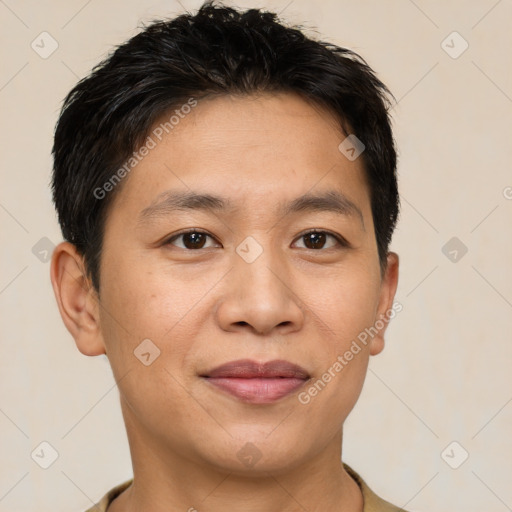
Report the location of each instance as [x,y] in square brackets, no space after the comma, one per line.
[256,454]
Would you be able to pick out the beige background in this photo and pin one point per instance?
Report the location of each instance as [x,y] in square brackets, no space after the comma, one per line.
[445,374]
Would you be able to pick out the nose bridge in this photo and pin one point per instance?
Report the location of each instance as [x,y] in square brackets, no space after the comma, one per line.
[260,270]
[259,292]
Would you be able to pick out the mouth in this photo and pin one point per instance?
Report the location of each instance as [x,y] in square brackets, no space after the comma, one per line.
[257,383]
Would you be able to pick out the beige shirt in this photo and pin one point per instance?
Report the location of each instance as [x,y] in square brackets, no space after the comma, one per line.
[372,503]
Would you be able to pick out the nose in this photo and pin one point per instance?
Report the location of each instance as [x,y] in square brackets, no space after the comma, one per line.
[259,297]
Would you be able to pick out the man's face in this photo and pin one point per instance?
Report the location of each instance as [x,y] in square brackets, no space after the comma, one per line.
[251,286]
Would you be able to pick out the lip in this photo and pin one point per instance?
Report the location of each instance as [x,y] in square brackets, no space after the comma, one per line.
[257,383]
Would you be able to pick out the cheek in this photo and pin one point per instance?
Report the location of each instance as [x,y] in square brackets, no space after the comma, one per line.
[139,304]
[342,313]
[139,300]
[346,307]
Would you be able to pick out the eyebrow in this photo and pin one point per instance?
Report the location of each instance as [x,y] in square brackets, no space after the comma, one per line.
[171,201]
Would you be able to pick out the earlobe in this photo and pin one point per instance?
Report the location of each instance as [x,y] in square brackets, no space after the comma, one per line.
[76,298]
[385,310]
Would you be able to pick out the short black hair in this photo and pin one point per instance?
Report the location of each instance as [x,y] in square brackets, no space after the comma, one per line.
[220,50]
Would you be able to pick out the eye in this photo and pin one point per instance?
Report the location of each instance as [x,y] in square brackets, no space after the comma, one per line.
[316,239]
[192,239]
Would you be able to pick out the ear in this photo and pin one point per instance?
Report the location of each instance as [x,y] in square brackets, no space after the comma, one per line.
[77,299]
[385,309]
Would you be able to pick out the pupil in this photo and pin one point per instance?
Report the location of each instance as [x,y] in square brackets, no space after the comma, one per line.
[196,238]
[317,240]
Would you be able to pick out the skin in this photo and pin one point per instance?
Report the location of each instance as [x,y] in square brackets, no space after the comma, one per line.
[204,307]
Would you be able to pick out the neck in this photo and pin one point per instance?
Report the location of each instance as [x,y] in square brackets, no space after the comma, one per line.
[167,480]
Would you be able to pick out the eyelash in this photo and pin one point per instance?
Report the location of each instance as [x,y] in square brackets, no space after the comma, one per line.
[342,242]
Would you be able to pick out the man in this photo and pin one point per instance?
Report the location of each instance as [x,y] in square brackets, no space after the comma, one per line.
[227,191]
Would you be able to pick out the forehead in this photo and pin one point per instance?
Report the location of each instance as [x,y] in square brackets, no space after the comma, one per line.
[248,149]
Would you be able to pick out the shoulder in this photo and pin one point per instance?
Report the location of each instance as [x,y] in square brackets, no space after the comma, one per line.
[372,502]
[102,505]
